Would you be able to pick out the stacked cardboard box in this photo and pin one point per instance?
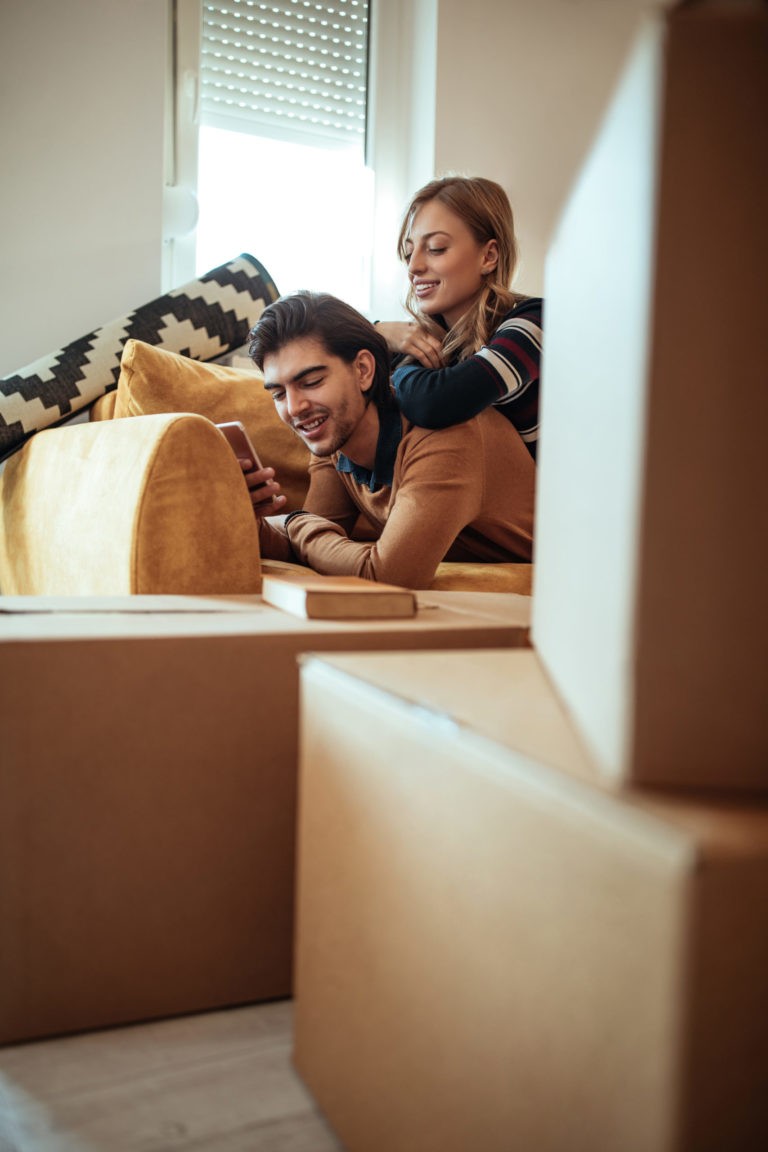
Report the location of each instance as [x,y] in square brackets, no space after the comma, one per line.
[533,885]
[147,796]
[497,949]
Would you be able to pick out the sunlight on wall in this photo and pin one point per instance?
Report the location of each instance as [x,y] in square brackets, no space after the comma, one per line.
[305,213]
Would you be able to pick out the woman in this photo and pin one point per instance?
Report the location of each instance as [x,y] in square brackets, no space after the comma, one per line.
[474,341]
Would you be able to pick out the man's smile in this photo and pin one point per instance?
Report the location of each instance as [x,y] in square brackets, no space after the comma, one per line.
[310,427]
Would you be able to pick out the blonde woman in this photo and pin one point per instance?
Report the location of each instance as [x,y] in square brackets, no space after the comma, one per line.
[473,341]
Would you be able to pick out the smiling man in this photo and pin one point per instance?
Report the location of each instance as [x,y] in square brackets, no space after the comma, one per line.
[459,493]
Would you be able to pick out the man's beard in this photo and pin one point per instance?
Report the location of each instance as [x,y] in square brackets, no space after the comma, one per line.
[343,427]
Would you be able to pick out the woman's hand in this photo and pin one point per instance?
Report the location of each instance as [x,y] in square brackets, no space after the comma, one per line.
[264,491]
[411,339]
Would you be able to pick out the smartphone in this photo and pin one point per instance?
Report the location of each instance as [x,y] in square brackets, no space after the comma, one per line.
[240,443]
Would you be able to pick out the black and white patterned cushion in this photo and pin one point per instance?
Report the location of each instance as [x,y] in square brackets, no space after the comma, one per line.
[204,319]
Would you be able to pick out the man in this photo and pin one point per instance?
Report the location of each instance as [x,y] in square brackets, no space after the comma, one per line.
[459,493]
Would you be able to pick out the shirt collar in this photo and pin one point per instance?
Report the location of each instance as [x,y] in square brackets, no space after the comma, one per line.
[390,435]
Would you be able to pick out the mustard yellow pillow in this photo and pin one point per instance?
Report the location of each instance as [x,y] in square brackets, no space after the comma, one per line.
[153,381]
[104,407]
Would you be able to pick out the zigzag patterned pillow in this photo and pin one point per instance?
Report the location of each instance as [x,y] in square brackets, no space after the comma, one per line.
[202,320]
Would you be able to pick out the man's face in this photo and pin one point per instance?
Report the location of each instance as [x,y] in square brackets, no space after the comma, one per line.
[319,396]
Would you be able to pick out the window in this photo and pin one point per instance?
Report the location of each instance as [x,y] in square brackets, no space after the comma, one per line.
[281,148]
[293,130]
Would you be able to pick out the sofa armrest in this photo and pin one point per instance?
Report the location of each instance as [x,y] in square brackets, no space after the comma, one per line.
[153,505]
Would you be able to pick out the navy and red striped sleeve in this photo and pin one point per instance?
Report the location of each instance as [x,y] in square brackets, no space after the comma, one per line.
[505,372]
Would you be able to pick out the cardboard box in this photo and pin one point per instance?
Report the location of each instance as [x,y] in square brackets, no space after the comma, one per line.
[649,606]
[495,949]
[147,793]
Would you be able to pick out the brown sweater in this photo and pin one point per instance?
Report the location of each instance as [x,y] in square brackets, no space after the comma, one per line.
[459,493]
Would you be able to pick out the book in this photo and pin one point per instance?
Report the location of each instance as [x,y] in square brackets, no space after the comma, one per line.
[316,597]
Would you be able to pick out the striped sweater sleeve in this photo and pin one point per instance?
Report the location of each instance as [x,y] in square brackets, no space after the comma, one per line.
[505,373]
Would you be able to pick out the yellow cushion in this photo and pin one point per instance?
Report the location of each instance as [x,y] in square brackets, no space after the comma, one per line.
[155,505]
[153,380]
[457,576]
[452,576]
[104,407]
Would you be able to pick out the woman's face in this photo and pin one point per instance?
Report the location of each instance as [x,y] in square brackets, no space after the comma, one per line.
[445,262]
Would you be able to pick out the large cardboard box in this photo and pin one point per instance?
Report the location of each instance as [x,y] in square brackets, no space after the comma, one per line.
[497,950]
[649,606]
[147,796]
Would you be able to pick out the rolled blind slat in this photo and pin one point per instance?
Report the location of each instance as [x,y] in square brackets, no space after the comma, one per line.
[291,69]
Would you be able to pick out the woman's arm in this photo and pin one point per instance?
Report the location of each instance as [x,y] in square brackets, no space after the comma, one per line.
[501,372]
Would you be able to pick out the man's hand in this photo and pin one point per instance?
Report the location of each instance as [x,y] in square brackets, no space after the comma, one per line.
[412,340]
[263,489]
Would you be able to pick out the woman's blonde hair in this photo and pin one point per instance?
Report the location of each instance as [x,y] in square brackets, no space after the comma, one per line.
[484,207]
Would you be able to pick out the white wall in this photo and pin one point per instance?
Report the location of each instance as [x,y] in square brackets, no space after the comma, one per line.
[521,86]
[82,89]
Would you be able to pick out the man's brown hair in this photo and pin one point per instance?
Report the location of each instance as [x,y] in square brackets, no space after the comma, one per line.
[341,328]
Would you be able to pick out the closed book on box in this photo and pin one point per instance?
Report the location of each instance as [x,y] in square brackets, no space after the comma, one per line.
[316,597]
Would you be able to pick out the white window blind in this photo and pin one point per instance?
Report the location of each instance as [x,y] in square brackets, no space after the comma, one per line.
[290,69]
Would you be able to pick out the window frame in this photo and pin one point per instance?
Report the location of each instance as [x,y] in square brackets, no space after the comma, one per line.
[400,134]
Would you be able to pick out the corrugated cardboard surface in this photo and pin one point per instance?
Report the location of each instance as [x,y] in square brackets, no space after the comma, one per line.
[702,624]
[650,569]
[147,803]
[498,950]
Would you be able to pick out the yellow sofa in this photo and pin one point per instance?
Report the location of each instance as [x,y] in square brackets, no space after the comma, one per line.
[148,497]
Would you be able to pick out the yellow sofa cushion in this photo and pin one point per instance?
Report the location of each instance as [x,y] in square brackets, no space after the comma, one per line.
[155,505]
[104,407]
[153,380]
[456,576]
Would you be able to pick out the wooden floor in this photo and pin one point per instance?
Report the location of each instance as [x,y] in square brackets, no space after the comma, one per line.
[219,1082]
